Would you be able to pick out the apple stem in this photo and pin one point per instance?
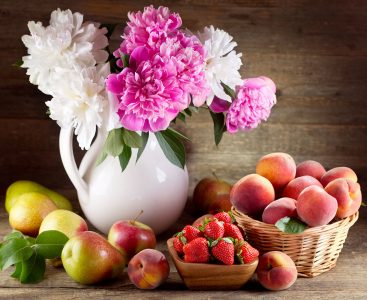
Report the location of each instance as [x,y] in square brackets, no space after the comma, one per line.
[138,215]
[215,175]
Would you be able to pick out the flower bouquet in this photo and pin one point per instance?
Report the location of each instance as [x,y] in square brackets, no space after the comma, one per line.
[161,73]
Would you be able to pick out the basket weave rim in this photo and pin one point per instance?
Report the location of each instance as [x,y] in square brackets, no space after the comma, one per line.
[346,222]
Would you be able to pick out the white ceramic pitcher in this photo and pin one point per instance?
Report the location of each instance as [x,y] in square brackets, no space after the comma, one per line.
[106,194]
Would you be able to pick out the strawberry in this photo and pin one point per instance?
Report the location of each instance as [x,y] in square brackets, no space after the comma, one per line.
[178,245]
[191,233]
[232,231]
[214,230]
[196,251]
[223,250]
[246,253]
[224,217]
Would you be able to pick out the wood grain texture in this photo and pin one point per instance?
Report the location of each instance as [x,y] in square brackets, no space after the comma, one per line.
[315,51]
[346,280]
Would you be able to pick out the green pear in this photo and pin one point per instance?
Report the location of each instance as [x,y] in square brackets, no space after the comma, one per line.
[89,258]
[20,187]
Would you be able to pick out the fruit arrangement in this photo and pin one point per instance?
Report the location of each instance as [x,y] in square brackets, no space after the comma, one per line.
[44,231]
[215,239]
[305,195]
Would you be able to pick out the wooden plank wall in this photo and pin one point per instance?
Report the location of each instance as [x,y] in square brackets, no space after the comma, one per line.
[315,51]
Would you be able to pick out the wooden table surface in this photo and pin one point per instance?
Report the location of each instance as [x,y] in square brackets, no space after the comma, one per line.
[346,281]
[315,51]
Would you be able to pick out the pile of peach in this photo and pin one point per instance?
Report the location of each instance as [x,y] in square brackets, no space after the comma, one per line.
[305,191]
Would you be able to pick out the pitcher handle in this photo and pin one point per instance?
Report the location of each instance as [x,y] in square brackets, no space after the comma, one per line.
[68,160]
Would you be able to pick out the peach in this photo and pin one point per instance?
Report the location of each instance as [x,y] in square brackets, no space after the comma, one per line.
[276,271]
[251,194]
[297,185]
[283,207]
[347,193]
[339,172]
[316,207]
[311,168]
[148,269]
[279,168]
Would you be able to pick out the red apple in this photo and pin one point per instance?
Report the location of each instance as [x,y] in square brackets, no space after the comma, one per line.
[130,237]
[148,269]
[211,195]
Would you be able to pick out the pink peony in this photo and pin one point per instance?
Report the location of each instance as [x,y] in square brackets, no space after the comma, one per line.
[148,94]
[253,104]
[166,68]
[149,28]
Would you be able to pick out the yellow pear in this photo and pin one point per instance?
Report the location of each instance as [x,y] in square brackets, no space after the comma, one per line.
[65,221]
[29,211]
[20,187]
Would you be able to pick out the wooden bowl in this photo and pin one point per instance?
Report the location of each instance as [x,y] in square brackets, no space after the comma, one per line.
[198,276]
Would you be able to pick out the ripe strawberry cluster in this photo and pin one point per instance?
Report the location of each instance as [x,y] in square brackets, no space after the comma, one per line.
[217,239]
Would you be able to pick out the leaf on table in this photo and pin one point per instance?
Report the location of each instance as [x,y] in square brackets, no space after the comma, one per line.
[33,269]
[49,244]
[124,157]
[14,251]
[290,225]
[13,235]
[17,271]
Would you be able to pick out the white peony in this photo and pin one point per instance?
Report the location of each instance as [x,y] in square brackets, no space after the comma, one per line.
[222,62]
[65,43]
[79,100]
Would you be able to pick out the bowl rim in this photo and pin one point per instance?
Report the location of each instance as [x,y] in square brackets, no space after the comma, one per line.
[177,259]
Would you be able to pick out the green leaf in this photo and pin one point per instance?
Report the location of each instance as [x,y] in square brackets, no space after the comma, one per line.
[219,126]
[290,225]
[177,134]
[181,116]
[18,63]
[14,251]
[131,138]
[230,92]
[188,112]
[101,157]
[144,139]
[363,204]
[50,243]
[124,157]
[13,235]
[17,271]
[110,29]
[31,241]
[33,269]
[172,148]
[114,143]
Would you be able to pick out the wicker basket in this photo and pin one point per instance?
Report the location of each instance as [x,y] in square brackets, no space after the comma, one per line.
[314,251]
